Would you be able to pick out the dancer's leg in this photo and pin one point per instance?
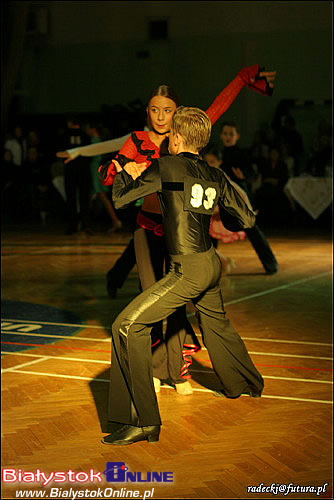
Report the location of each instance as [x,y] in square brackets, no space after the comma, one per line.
[122,267]
[227,351]
[172,353]
[133,401]
[263,249]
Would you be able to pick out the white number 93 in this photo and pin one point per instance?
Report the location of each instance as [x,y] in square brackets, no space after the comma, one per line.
[197,192]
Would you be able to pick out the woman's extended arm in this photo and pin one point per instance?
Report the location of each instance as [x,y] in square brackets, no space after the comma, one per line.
[99,148]
[252,77]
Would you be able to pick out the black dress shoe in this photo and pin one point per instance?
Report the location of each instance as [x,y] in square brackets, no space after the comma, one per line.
[112,426]
[272,270]
[129,434]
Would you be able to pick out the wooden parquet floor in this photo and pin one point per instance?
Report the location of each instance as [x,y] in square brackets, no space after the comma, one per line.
[54,396]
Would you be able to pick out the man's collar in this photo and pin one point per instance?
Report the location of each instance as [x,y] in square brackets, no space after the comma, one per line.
[188,154]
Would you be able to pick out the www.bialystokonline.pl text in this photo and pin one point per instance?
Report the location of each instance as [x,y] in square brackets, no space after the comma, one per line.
[74,494]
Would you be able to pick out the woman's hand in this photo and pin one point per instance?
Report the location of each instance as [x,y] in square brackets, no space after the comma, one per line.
[65,154]
[269,76]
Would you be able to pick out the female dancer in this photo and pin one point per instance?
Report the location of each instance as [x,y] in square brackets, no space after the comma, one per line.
[144,146]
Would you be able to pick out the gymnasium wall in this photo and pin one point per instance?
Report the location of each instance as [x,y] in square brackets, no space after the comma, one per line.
[96,53]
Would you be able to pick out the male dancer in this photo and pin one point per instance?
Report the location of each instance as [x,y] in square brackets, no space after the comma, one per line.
[188,190]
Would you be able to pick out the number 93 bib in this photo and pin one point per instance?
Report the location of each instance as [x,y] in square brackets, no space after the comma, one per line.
[200,196]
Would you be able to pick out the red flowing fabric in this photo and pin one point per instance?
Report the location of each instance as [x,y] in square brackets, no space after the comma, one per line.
[187,352]
[219,231]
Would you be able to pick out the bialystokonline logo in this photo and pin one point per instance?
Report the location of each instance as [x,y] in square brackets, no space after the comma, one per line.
[116,472]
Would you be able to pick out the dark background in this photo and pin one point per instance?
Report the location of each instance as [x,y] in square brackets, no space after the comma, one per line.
[86,56]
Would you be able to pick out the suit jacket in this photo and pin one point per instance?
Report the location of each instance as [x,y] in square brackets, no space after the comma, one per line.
[189,190]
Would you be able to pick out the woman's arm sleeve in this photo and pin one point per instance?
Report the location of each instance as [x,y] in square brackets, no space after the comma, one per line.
[224,100]
[248,76]
[108,171]
[99,148]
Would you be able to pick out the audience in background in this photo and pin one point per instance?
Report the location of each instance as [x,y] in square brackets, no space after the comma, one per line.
[34,182]
[320,162]
[8,185]
[236,164]
[270,199]
[94,131]
[77,178]
[36,174]
[236,161]
[290,137]
[17,144]
[8,169]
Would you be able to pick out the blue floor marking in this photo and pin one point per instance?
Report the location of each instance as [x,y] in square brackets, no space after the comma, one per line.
[34,312]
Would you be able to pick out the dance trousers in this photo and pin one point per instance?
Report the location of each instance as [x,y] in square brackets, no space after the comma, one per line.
[262,248]
[196,278]
[171,350]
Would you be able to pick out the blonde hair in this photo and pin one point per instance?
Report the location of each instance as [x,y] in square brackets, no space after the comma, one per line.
[193,125]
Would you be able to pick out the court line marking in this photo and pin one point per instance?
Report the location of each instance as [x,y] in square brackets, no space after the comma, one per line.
[303,356]
[289,341]
[53,346]
[68,245]
[20,353]
[274,377]
[77,377]
[43,358]
[281,287]
[90,339]
[107,362]
[290,398]
[66,358]
[289,355]
[283,341]
[64,253]
[324,358]
[79,325]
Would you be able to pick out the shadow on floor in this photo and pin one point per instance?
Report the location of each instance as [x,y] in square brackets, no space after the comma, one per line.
[203,375]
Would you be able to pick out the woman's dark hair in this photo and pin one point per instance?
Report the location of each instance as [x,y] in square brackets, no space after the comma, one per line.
[165,91]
